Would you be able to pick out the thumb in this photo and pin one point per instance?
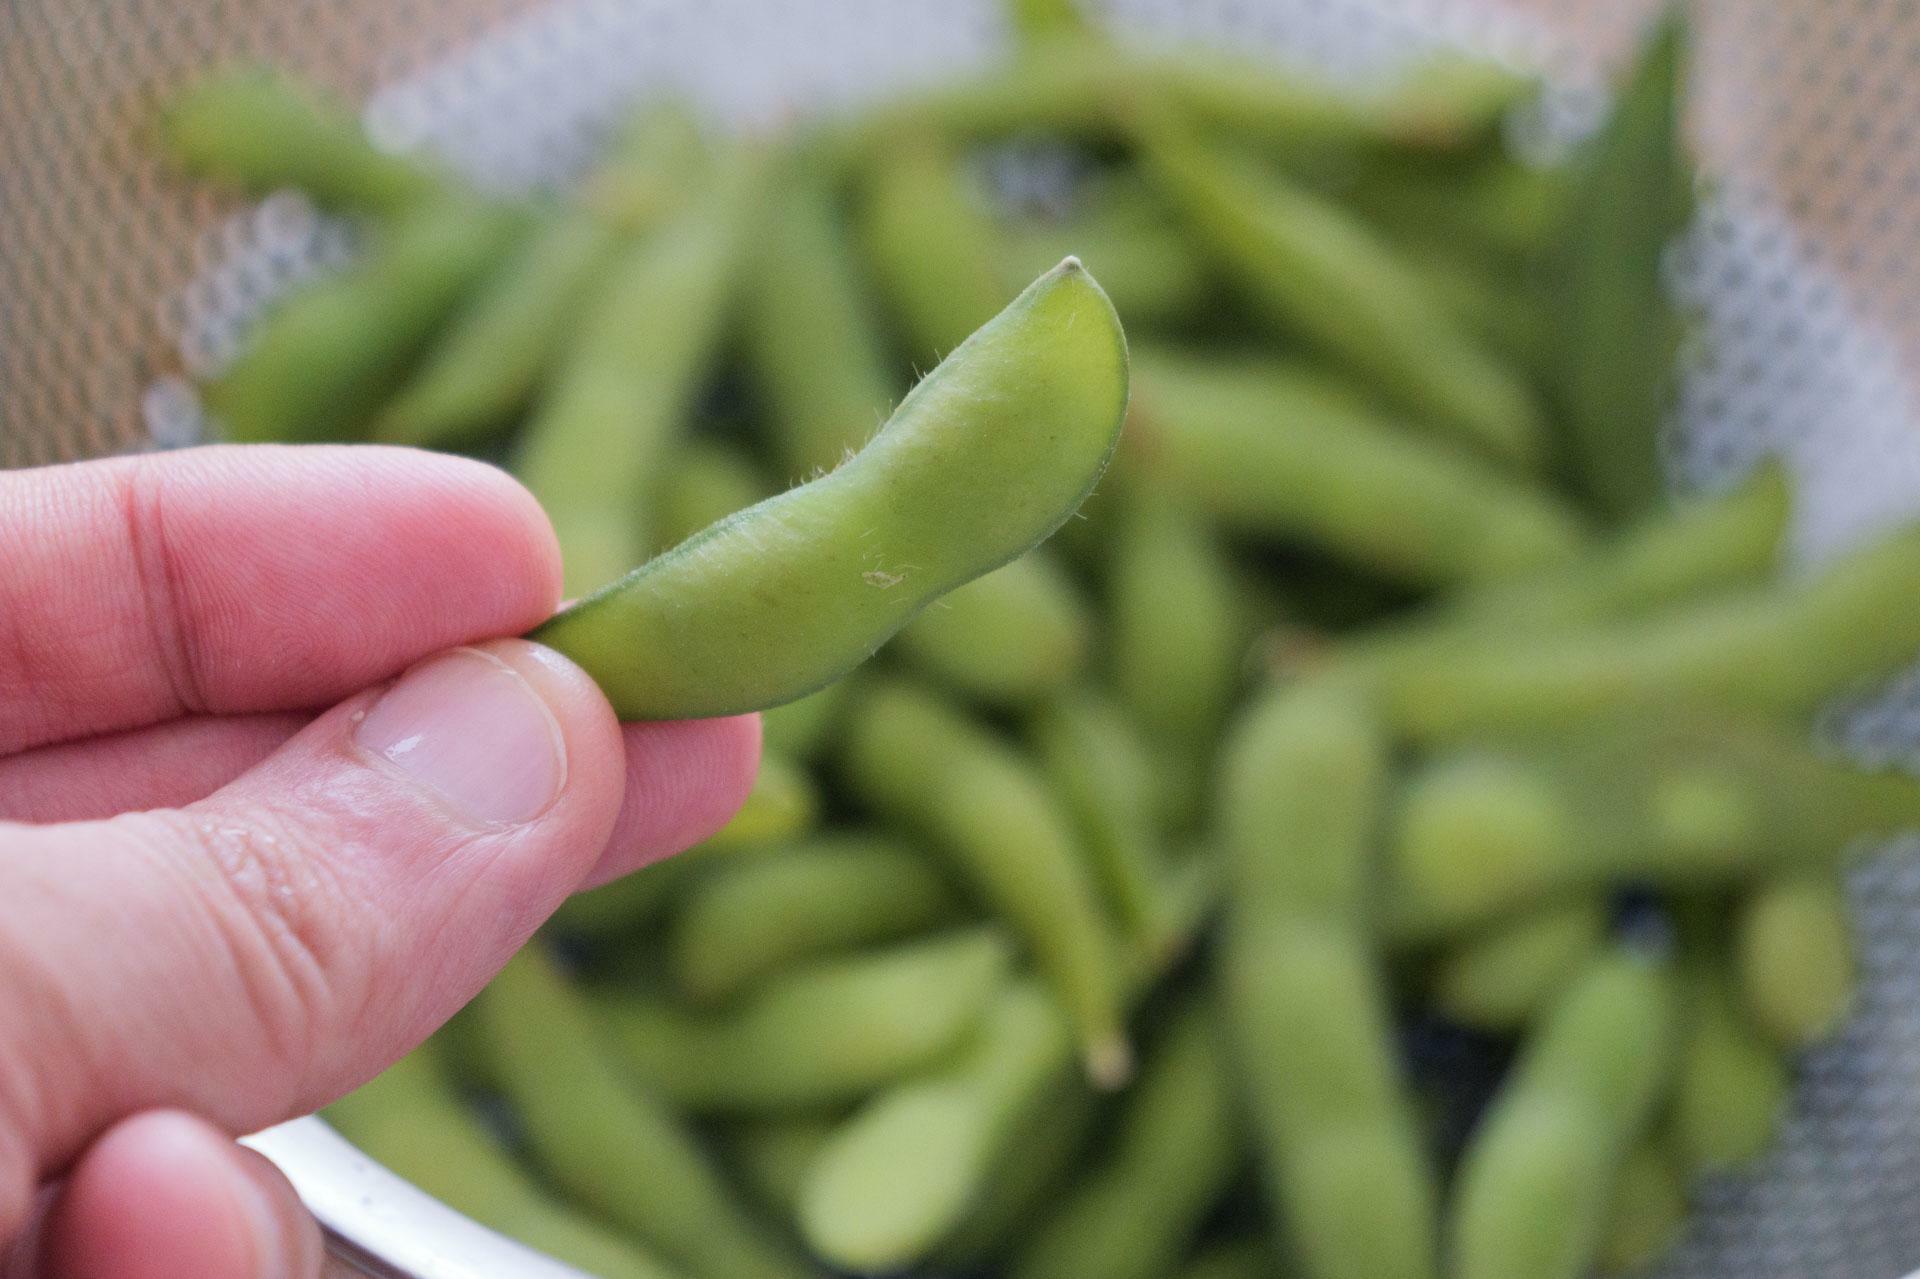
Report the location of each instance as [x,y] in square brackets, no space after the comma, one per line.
[252,956]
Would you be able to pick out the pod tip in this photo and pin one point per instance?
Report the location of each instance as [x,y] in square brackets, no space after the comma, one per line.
[1069,263]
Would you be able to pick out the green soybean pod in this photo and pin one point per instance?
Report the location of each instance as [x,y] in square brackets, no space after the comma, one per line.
[706,480]
[901,1175]
[1493,207]
[1238,1259]
[1302,780]
[825,1034]
[1649,1211]
[317,365]
[1172,1155]
[1103,772]
[1793,949]
[754,916]
[810,339]
[932,247]
[260,130]
[611,412]
[1504,308]
[1703,546]
[612,1148]
[1177,641]
[773,1153]
[1025,1175]
[1038,22]
[486,364]
[1498,979]
[782,805]
[984,458]
[1670,795]
[1779,648]
[1006,639]
[1733,1085]
[409,1120]
[1292,253]
[1620,331]
[1536,1181]
[1281,450]
[803,728]
[979,800]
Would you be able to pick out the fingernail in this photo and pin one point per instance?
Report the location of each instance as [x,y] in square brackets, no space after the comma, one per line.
[467,725]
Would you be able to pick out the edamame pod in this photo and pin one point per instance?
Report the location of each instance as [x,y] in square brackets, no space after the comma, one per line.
[1026,1174]
[1780,649]
[611,1147]
[979,800]
[707,480]
[1536,1182]
[1302,780]
[1732,1087]
[1005,639]
[1104,774]
[985,457]
[782,805]
[1173,1151]
[1666,795]
[409,1120]
[1620,332]
[1649,1211]
[820,1035]
[486,364]
[901,1175]
[930,240]
[318,364]
[1311,270]
[1793,949]
[754,916]
[1497,208]
[1705,545]
[609,415]
[1282,450]
[1499,978]
[816,355]
[1178,633]
[260,131]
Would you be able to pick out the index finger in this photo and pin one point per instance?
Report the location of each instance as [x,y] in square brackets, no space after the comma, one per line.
[225,580]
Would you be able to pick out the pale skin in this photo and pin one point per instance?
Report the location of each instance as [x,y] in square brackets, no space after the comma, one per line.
[277,796]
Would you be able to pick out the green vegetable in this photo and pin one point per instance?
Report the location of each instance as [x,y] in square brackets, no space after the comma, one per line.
[1026,1174]
[1282,450]
[1732,1087]
[1240,1259]
[820,1035]
[706,480]
[987,455]
[614,407]
[754,916]
[259,130]
[410,1121]
[1309,269]
[810,337]
[981,804]
[1619,328]
[1793,940]
[900,1176]
[1172,1152]
[1302,781]
[1649,1211]
[1499,978]
[1006,639]
[772,1153]
[318,364]
[616,1150]
[919,196]
[1536,1181]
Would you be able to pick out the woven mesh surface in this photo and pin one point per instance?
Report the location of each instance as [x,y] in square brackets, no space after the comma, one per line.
[116,280]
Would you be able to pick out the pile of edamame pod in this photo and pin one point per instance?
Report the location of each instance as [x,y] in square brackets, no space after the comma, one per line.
[1380,836]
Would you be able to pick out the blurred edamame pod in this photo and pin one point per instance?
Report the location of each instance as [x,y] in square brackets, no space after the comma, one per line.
[1007,638]
[1499,978]
[1793,940]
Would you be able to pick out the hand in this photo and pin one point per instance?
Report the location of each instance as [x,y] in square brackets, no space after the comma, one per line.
[275,800]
